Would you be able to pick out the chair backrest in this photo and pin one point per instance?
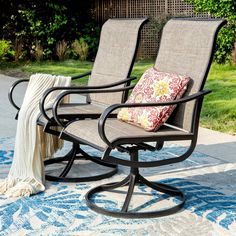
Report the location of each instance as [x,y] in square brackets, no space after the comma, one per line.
[115,57]
[186,48]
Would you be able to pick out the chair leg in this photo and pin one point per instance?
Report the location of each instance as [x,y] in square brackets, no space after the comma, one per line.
[69,163]
[124,212]
[76,153]
[115,185]
[132,182]
[59,159]
[134,178]
[164,188]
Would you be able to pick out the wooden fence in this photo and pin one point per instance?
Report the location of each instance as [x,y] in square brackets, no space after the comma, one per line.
[154,9]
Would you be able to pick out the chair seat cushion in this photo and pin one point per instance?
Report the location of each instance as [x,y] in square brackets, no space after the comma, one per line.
[70,111]
[154,86]
[86,131]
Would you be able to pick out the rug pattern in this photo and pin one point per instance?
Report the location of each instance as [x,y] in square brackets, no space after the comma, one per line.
[208,183]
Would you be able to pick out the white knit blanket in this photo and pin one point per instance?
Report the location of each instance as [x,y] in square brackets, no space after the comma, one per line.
[26,175]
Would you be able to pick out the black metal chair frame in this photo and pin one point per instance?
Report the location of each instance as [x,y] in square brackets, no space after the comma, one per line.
[76,153]
[134,145]
[139,143]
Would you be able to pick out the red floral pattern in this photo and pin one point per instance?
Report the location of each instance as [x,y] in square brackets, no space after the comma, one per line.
[154,86]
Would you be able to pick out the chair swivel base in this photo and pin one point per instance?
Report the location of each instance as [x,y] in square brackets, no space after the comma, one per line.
[77,153]
[132,180]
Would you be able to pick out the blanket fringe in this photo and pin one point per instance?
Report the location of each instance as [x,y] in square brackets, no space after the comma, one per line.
[20,188]
[6,184]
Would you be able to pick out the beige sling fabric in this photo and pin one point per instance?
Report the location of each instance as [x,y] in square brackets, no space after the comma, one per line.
[185,49]
[26,175]
[117,48]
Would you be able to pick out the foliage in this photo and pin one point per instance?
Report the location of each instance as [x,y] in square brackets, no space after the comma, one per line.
[18,49]
[158,23]
[223,9]
[61,49]
[90,34]
[5,49]
[81,49]
[37,51]
[234,55]
[44,21]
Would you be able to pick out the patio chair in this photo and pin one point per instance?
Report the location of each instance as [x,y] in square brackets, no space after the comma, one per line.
[186,48]
[112,68]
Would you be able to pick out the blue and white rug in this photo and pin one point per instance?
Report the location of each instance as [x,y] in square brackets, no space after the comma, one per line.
[210,209]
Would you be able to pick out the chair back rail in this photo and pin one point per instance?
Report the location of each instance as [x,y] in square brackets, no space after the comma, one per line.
[186,48]
[115,57]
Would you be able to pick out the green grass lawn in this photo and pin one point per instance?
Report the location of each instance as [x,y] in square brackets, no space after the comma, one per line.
[219,109]
[67,68]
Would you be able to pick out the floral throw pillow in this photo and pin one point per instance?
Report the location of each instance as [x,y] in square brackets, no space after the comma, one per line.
[154,86]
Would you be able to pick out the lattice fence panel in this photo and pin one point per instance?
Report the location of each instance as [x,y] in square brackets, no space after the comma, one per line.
[177,7]
[104,9]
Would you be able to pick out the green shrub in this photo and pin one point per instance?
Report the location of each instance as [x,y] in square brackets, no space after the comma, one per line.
[18,49]
[90,34]
[37,51]
[5,50]
[225,44]
[81,49]
[62,50]
[234,54]
[158,23]
[45,21]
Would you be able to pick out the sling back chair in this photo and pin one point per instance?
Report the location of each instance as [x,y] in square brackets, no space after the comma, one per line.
[112,68]
[186,48]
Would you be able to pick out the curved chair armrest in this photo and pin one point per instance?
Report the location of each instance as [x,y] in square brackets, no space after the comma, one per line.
[110,109]
[83,91]
[48,91]
[10,93]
